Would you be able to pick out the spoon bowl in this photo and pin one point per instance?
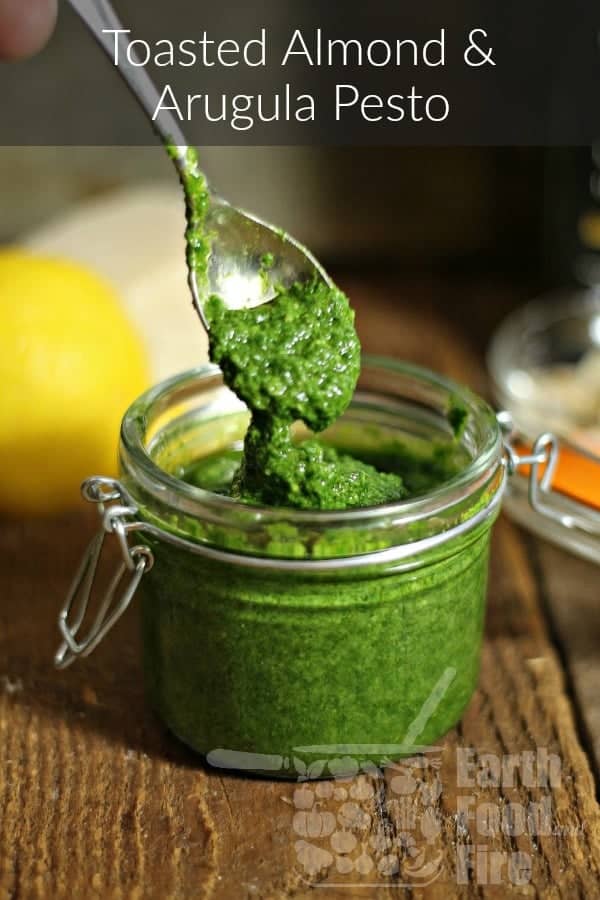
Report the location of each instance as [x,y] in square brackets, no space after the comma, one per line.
[240,243]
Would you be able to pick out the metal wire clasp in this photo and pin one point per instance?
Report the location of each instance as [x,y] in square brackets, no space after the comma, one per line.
[544,453]
[116,509]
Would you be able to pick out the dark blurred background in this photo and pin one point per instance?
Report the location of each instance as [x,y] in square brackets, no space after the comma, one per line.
[516,213]
[513,216]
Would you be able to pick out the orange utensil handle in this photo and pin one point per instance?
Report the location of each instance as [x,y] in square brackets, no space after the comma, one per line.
[576,475]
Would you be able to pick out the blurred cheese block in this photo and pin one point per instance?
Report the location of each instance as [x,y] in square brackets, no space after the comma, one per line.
[134,238]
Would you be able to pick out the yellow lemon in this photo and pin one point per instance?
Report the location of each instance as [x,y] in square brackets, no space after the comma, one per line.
[70,364]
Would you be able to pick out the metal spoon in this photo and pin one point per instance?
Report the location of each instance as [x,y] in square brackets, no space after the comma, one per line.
[239,240]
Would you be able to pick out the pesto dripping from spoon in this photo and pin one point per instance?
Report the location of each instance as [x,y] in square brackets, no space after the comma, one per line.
[230,253]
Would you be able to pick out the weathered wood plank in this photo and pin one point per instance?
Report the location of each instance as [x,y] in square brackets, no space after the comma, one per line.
[571,591]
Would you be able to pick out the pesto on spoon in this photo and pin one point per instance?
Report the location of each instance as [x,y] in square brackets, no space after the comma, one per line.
[295,358]
[244,262]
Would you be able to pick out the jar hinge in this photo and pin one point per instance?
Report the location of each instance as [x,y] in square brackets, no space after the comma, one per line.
[545,453]
[117,510]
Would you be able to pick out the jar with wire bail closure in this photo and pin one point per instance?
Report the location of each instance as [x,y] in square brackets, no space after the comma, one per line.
[277,640]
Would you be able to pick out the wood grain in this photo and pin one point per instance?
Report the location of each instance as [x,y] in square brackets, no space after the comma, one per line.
[571,593]
[98,800]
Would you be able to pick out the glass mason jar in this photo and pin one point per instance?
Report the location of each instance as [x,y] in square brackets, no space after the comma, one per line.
[282,640]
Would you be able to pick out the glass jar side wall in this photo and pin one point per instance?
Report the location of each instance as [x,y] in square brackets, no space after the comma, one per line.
[261,663]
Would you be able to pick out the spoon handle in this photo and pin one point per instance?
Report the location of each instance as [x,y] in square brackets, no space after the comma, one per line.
[100,17]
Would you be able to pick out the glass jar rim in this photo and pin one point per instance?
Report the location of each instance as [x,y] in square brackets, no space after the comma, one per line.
[196,501]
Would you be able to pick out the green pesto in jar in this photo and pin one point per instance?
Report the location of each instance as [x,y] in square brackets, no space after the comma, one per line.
[298,670]
[290,669]
[417,471]
[302,669]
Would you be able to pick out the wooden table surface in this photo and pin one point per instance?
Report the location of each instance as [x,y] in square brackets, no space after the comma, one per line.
[98,800]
